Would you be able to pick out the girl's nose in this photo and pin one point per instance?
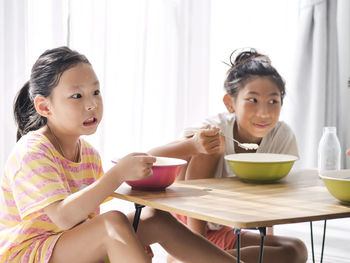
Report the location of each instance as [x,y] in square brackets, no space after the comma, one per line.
[91,105]
[263,111]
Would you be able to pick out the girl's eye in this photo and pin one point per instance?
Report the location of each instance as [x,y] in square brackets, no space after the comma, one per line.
[253,100]
[76,96]
[273,101]
[97,92]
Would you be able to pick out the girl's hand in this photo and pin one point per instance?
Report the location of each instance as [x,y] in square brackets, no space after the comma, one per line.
[348,152]
[208,140]
[135,166]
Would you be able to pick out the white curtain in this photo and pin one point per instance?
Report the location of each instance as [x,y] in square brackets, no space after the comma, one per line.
[151,58]
[344,75]
[26,32]
[160,62]
[316,92]
[12,68]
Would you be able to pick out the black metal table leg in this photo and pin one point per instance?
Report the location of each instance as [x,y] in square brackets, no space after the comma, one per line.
[262,235]
[323,238]
[237,231]
[135,223]
[312,243]
[323,241]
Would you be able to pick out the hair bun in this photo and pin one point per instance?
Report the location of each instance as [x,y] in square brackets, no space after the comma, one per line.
[243,55]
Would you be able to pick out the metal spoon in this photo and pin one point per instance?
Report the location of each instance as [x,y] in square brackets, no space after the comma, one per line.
[246,146]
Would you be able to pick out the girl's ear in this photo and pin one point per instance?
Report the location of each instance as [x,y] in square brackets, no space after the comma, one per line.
[41,104]
[228,101]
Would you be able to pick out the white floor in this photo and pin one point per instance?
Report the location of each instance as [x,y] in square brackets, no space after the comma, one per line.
[337,244]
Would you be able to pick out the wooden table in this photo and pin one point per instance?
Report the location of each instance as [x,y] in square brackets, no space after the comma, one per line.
[299,197]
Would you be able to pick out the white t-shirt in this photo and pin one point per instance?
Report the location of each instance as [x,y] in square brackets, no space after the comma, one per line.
[280,139]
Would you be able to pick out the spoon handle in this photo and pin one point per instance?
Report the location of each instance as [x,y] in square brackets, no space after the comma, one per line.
[230,138]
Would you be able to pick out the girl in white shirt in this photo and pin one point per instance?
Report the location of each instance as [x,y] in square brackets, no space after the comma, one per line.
[254,96]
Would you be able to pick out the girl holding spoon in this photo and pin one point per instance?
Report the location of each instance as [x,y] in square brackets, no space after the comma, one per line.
[53,181]
[254,96]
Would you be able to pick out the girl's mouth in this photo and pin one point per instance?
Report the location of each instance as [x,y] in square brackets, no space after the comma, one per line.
[90,121]
[261,125]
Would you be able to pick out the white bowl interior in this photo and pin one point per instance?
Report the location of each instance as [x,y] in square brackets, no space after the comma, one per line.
[166,161]
[261,157]
[343,175]
[162,161]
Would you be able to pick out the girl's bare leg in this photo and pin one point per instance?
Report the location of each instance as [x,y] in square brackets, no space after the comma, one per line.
[160,227]
[109,235]
[276,249]
[269,230]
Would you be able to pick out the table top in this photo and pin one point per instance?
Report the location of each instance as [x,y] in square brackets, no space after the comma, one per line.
[299,197]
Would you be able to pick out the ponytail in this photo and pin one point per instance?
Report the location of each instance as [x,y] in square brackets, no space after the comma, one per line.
[26,117]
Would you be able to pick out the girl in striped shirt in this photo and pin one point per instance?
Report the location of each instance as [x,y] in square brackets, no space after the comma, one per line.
[53,182]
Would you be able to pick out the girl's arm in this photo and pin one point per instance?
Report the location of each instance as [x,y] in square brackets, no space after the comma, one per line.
[205,141]
[183,148]
[201,167]
[202,151]
[76,207]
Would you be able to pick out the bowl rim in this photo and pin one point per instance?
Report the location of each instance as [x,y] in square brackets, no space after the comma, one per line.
[292,158]
[180,162]
[329,177]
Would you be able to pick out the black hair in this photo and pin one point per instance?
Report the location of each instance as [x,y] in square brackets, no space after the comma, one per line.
[246,66]
[45,75]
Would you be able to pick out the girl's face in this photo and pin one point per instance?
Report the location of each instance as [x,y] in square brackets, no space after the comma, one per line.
[257,107]
[75,103]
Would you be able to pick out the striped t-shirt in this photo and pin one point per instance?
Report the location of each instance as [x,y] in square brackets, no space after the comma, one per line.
[36,175]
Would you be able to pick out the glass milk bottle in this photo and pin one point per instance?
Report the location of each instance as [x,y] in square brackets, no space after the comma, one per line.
[329,151]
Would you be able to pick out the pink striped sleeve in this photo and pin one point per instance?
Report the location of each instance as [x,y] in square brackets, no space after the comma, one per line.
[37,183]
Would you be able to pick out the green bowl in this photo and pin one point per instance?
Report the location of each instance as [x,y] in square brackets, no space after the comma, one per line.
[260,167]
[338,184]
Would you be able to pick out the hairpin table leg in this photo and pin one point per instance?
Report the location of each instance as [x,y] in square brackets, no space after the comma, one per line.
[135,223]
[323,241]
[262,235]
[312,243]
[237,231]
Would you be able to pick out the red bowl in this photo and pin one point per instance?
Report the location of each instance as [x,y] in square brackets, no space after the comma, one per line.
[164,170]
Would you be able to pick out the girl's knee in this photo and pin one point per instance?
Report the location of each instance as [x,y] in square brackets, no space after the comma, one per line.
[301,250]
[158,218]
[114,216]
[151,213]
[296,251]
[114,222]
